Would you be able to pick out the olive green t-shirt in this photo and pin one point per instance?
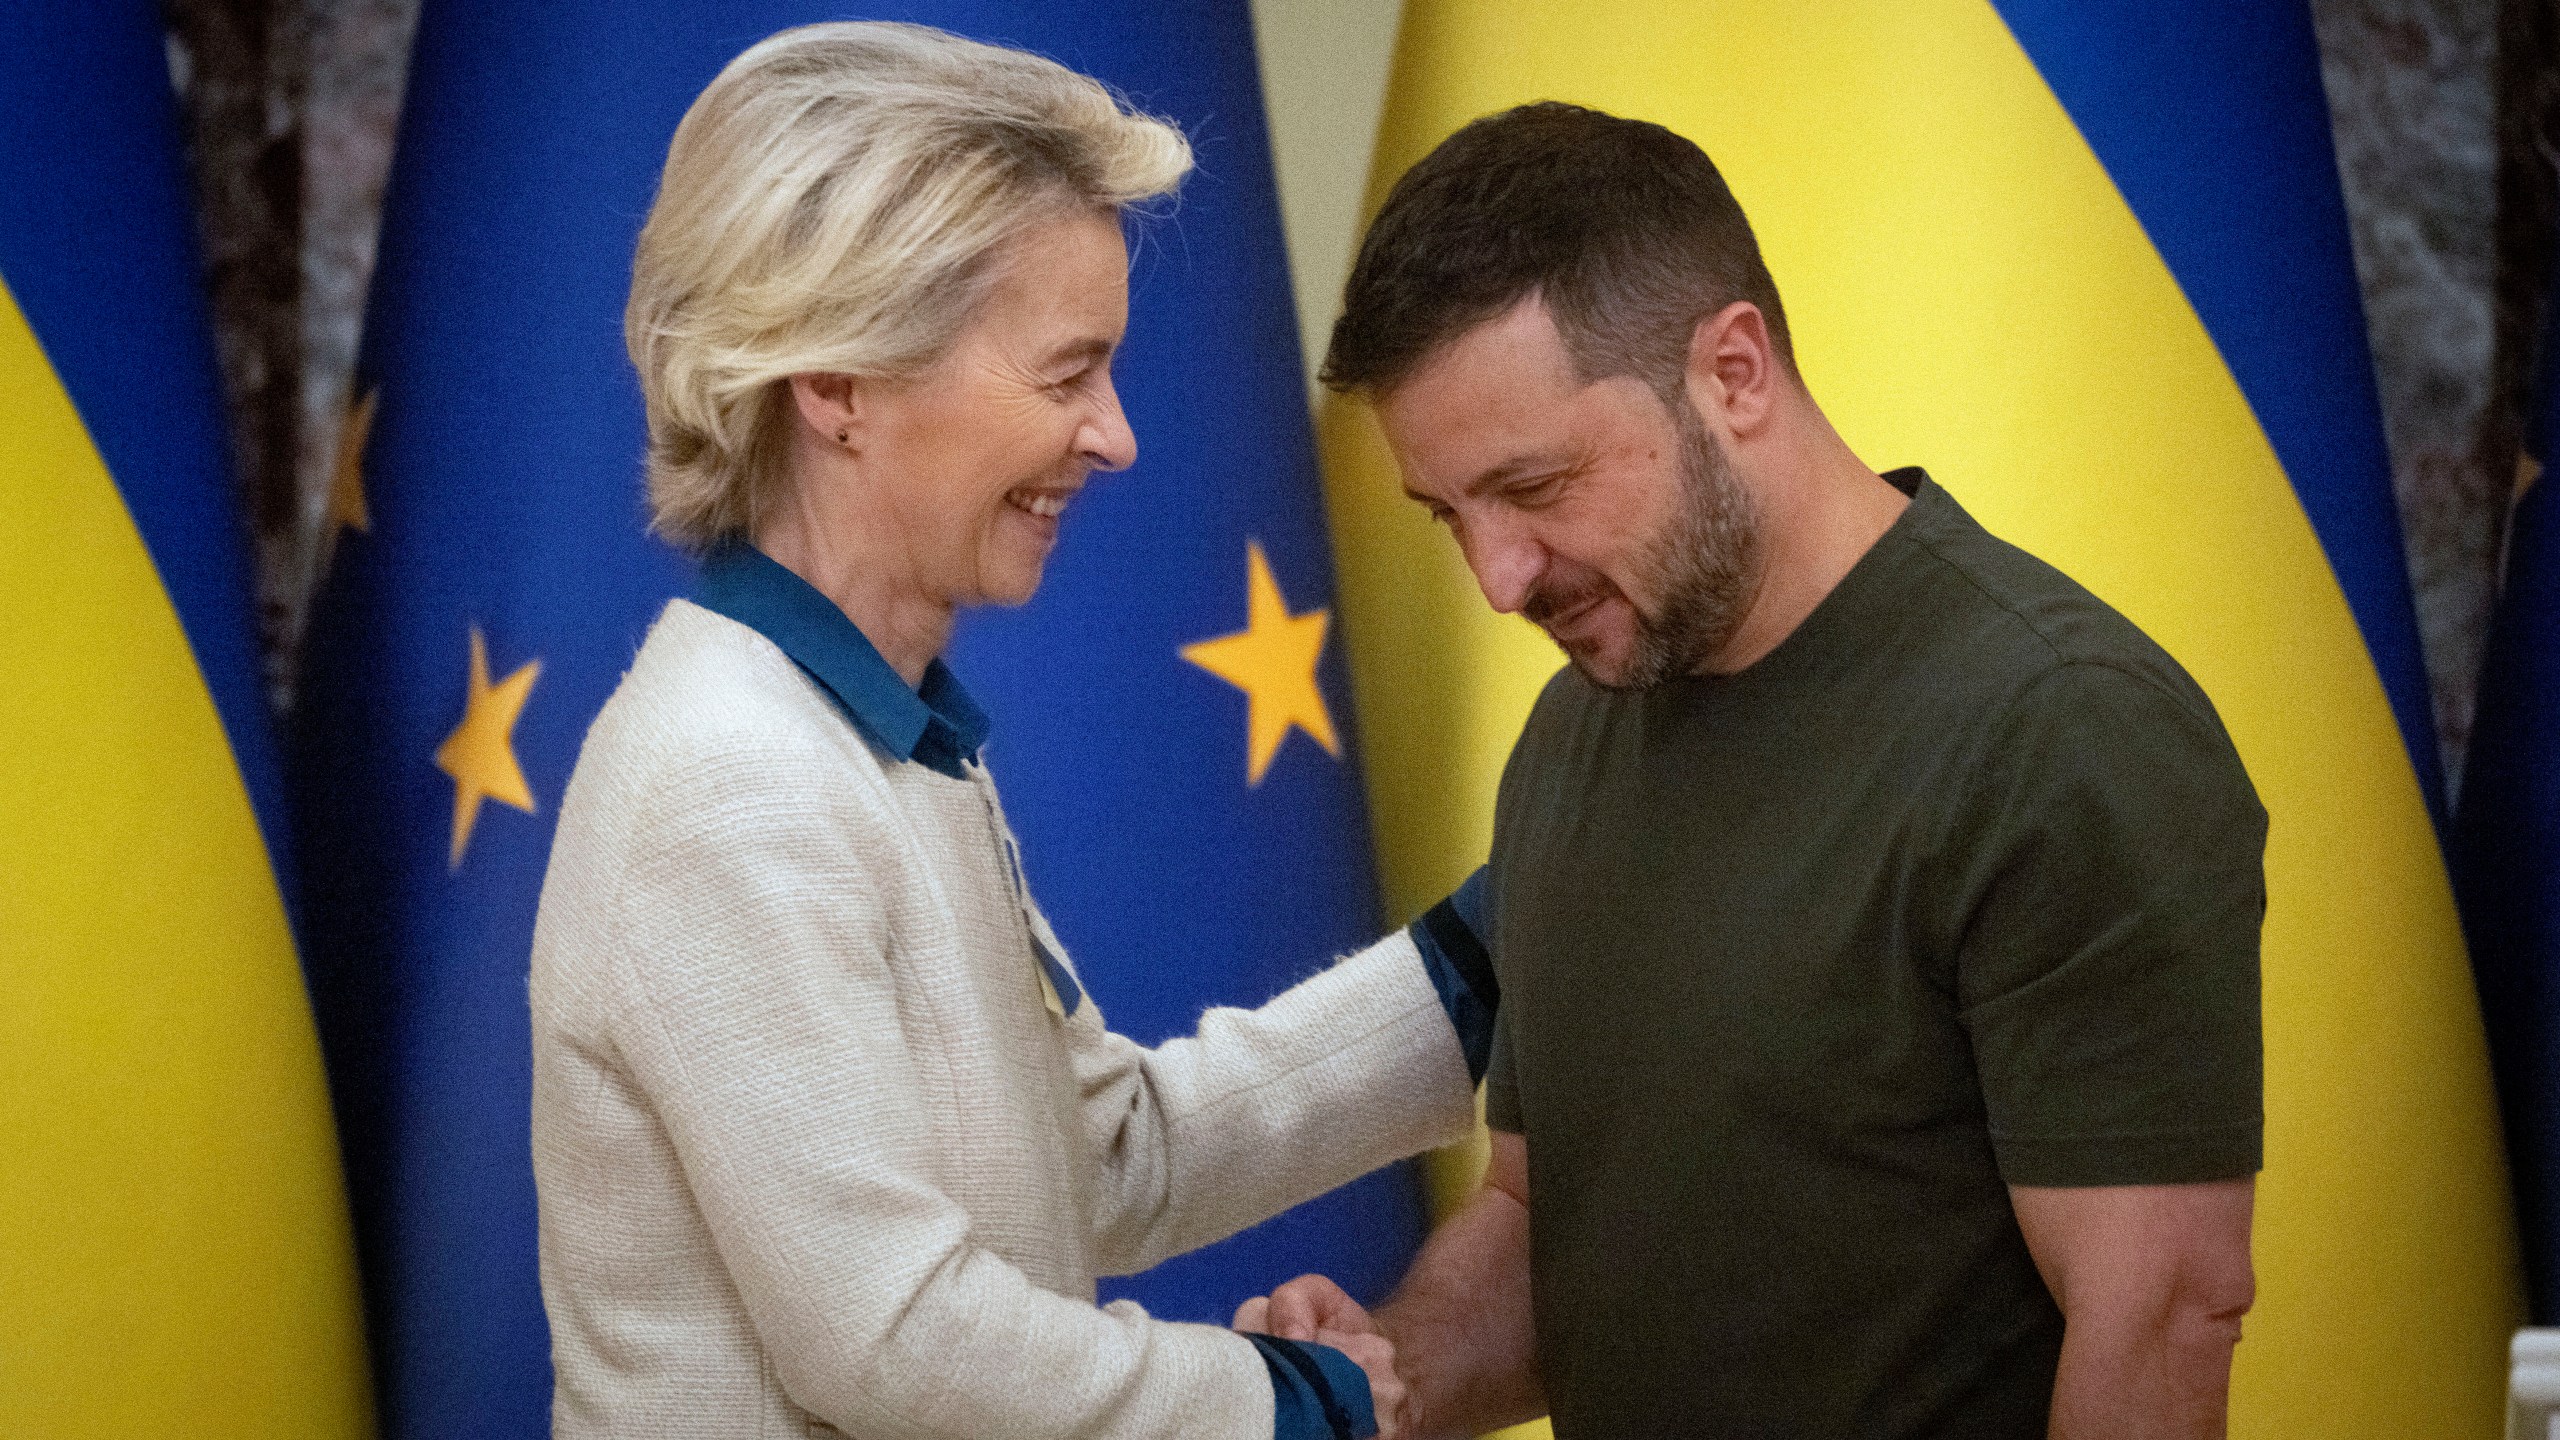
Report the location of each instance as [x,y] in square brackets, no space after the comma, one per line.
[1958,888]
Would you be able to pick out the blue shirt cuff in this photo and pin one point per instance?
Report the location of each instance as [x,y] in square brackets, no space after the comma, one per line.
[1450,936]
[1317,1392]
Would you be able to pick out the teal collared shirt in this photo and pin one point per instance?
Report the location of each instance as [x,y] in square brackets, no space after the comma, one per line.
[936,724]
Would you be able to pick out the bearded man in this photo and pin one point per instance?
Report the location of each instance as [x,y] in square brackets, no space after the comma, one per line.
[1876,911]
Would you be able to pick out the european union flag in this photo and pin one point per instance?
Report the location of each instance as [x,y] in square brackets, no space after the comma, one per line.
[2507,841]
[1170,724]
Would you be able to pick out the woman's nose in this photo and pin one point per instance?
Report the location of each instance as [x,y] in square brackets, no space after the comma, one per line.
[1106,439]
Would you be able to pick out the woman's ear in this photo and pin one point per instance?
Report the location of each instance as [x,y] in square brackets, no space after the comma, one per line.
[830,405]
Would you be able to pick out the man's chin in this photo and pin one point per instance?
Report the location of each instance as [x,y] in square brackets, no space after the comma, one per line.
[1639,664]
[1596,663]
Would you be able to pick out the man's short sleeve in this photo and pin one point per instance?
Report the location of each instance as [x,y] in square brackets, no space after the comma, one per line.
[1501,1087]
[2108,969]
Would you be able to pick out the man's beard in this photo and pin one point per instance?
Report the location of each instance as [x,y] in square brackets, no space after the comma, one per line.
[1701,570]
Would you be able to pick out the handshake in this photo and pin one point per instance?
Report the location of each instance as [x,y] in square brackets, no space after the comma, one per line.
[1455,1352]
[1313,1309]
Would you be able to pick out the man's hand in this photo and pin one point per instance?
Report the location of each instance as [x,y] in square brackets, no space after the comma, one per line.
[1313,1309]
[1304,1306]
[1462,1320]
[1376,1357]
[1466,1349]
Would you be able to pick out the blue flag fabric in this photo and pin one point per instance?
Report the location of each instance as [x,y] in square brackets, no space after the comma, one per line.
[492,579]
[2507,841]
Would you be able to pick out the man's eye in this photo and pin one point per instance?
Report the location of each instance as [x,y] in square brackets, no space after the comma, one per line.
[1537,491]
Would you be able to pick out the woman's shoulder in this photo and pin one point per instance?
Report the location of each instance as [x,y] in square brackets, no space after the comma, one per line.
[715,759]
[710,704]
[703,682]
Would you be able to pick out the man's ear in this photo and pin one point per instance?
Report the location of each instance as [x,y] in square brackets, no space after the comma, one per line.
[830,404]
[1733,369]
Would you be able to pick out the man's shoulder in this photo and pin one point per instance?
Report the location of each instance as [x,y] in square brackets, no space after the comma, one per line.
[2073,698]
[2023,626]
[1535,775]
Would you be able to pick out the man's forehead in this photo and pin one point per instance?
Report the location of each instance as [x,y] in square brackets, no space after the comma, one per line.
[1496,397]
[1518,350]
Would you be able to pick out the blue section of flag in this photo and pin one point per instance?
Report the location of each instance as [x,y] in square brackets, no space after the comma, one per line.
[2209,117]
[505,490]
[2506,848]
[1173,884]
[98,245]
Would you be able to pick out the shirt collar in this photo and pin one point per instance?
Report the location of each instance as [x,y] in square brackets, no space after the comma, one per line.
[935,724]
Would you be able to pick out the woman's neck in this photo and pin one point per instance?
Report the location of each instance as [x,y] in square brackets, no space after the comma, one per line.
[907,626]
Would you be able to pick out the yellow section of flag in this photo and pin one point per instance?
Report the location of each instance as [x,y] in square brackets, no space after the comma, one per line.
[1969,292]
[1273,661]
[174,1247]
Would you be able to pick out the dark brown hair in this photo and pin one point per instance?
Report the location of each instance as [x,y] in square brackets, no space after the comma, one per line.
[1625,229]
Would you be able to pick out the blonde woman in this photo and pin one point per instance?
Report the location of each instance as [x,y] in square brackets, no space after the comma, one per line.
[829,1140]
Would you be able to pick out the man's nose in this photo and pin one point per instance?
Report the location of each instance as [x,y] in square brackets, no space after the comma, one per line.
[1507,564]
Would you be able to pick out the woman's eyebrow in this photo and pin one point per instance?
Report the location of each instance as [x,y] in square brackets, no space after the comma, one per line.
[1088,348]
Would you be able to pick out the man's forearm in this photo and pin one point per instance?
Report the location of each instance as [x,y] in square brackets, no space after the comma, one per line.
[2165,1377]
[1461,1322]
[2153,1281]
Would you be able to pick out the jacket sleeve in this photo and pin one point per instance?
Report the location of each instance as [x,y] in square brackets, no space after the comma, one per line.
[757,1013]
[1260,1109]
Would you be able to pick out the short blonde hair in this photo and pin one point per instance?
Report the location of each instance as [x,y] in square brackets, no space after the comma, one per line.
[834,202]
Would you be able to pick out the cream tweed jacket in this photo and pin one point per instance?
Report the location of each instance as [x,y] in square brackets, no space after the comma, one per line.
[816,1158]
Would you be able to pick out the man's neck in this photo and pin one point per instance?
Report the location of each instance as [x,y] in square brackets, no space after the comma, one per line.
[1820,512]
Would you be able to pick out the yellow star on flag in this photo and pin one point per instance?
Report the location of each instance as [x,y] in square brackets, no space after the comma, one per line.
[347,509]
[480,754]
[1273,661]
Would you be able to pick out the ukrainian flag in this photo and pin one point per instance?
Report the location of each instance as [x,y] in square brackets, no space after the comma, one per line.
[174,1254]
[1171,732]
[2086,260]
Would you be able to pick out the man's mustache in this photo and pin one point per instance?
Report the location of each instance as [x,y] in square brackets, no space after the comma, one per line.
[1547,605]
